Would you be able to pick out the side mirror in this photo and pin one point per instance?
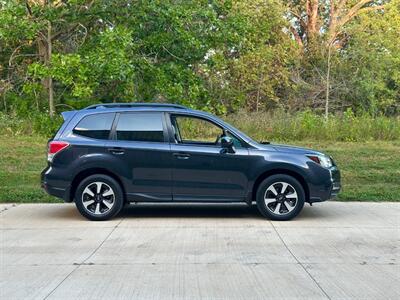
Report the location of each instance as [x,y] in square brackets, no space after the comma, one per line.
[227,144]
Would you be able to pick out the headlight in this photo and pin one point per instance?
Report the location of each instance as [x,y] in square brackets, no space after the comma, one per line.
[323,160]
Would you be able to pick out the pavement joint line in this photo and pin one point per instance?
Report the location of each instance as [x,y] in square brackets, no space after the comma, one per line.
[84,261]
[101,244]
[302,266]
[56,228]
[205,263]
[337,227]
[200,226]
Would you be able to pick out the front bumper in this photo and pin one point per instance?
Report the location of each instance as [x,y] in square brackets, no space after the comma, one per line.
[336,182]
[329,190]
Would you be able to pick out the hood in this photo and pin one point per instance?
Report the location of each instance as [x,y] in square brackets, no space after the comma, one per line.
[291,149]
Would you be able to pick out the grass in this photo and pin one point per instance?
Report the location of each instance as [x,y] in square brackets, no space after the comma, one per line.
[308,126]
[370,170]
[21,161]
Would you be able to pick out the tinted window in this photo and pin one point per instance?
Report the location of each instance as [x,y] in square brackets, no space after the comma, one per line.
[96,126]
[145,127]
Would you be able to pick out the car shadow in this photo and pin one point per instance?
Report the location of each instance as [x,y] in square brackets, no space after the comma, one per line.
[208,211]
[185,210]
[190,210]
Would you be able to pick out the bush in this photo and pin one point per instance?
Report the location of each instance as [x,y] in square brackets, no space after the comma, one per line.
[262,126]
[32,124]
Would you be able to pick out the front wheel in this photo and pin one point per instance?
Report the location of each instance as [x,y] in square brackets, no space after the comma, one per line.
[99,197]
[280,197]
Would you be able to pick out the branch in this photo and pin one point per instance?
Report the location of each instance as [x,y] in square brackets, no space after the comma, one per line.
[298,16]
[28,8]
[173,55]
[356,9]
[57,34]
[14,53]
[296,36]
[371,8]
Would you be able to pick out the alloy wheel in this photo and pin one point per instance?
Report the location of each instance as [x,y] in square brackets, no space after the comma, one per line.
[280,198]
[98,198]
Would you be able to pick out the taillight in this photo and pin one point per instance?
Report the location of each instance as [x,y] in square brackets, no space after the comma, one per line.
[55,147]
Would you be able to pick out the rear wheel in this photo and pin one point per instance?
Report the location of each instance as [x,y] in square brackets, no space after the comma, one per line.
[99,197]
[280,197]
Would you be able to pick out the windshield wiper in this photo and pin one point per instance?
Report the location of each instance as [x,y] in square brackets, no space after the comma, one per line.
[265,143]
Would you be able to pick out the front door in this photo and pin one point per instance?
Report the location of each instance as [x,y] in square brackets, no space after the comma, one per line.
[202,170]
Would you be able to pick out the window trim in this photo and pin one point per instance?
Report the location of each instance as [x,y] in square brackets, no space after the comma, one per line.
[92,138]
[113,133]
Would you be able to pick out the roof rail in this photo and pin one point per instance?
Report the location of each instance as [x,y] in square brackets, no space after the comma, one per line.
[134,104]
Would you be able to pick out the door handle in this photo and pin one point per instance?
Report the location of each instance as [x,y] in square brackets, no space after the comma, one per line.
[181,155]
[116,150]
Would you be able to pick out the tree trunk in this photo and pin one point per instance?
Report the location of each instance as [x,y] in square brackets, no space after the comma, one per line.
[5,102]
[261,78]
[312,22]
[328,73]
[50,79]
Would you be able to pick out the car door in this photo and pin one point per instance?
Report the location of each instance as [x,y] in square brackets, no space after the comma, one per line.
[140,144]
[202,170]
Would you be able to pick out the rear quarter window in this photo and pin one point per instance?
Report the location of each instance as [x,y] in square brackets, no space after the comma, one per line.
[140,127]
[97,126]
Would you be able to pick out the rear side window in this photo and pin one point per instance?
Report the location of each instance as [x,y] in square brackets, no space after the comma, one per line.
[96,126]
[143,127]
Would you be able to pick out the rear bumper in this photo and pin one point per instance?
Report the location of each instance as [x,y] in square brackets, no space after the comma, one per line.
[53,191]
[54,186]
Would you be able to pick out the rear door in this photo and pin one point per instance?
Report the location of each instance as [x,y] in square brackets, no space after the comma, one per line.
[140,140]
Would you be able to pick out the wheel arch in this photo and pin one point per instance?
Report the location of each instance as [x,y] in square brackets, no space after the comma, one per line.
[269,173]
[92,171]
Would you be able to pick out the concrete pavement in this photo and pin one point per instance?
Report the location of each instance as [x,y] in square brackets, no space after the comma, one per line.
[332,250]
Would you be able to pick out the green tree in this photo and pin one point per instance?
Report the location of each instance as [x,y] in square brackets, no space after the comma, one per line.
[371,61]
[320,29]
[216,55]
[33,29]
[262,71]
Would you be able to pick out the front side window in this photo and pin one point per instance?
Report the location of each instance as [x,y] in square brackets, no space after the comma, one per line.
[95,126]
[191,130]
[140,127]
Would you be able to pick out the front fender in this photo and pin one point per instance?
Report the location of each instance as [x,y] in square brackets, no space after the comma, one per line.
[315,177]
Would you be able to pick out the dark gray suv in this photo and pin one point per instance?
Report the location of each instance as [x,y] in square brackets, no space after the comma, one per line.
[110,154]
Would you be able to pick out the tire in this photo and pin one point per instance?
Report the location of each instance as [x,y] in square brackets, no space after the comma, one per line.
[274,204]
[99,203]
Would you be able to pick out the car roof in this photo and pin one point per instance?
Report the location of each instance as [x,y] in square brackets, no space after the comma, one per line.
[132,107]
[136,105]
